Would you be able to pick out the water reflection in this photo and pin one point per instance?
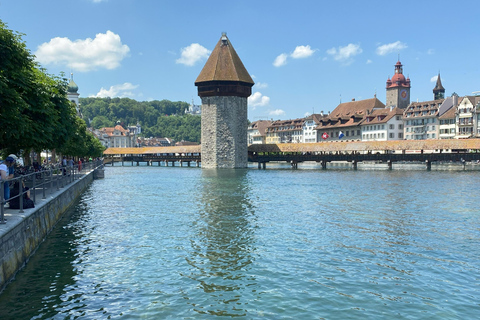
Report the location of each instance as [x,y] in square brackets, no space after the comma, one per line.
[37,290]
[223,246]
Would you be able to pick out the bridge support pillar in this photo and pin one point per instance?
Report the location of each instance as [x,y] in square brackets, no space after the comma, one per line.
[294,164]
[389,162]
[173,163]
[188,163]
[429,165]
[138,163]
[259,165]
[264,164]
[324,164]
[354,164]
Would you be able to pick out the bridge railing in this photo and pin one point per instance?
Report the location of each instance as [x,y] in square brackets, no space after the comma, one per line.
[42,183]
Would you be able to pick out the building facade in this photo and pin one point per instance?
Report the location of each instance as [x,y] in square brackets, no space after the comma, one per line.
[467,117]
[257,131]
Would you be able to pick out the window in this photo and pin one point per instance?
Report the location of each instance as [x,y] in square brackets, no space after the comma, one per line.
[391,126]
[398,117]
[400,126]
[400,135]
[392,135]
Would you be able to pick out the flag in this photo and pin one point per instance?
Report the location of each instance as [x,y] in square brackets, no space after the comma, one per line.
[325,136]
[341,135]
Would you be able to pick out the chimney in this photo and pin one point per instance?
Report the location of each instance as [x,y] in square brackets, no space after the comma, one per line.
[353,99]
[321,113]
[455,100]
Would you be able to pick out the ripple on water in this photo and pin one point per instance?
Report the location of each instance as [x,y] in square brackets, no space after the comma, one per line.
[184,243]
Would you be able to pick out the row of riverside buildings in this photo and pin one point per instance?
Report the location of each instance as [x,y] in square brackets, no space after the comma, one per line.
[371,120]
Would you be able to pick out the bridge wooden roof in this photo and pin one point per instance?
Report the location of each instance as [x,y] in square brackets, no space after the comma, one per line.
[368,145]
[153,150]
[319,146]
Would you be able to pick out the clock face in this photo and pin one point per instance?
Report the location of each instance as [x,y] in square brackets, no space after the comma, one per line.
[404,94]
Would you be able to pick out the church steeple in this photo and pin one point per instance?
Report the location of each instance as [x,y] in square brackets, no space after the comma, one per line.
[439,90]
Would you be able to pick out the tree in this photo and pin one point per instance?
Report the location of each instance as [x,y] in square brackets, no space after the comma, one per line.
[34,110]
[16,79]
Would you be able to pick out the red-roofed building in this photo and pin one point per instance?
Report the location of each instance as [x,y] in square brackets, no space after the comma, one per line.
[116,137]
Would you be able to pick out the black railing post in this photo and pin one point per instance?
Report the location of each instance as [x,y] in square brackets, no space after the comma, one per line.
[44,185]
[20,194]
[2,209]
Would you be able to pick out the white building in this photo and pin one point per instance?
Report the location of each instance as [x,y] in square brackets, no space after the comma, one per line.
[467,118]
[383,124]
[116,137]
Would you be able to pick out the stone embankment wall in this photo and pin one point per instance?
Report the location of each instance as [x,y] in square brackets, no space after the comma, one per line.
[24,232]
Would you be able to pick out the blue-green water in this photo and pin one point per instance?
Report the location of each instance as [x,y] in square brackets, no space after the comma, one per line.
[187,243]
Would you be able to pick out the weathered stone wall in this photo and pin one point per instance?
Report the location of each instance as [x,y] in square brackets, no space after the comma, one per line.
[224,132]
[26,231]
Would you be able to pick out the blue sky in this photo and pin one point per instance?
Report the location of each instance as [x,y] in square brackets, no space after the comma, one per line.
[305,56]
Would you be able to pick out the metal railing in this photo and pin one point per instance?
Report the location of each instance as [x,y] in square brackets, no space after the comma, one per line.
[42,183]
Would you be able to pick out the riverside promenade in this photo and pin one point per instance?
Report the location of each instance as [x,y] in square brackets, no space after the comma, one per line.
[23,230]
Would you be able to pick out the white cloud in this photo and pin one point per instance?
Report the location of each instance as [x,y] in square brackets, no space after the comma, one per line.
[192,54]
[434,78]
[390,47]
[307,114]
[302,52]
[118,90]
[105,51]
[260,85]
[281,60]
[345,54]
[431,51]
[258,100]
[369,61]
[277,112]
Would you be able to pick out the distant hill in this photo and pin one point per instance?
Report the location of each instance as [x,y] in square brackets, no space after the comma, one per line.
[162,119]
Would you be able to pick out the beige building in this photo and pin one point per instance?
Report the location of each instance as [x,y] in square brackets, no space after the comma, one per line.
[285,131]
[257,131]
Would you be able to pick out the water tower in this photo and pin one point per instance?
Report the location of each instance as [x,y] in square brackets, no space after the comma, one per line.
[224,86]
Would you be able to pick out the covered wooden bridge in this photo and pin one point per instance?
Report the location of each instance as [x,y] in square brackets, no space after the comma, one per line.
[427,151]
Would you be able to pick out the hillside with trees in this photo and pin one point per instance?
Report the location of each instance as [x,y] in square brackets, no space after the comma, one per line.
[162,119]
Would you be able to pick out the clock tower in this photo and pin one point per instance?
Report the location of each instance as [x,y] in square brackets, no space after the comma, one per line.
[398,89]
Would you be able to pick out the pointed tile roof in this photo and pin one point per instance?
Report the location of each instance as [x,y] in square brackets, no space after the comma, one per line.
[438,86]
[224,65]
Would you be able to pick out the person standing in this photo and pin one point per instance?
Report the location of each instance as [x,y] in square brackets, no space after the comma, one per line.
[3,179]
[7,172]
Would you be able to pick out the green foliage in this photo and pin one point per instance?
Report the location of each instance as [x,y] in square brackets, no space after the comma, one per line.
[164,119]
[35,113]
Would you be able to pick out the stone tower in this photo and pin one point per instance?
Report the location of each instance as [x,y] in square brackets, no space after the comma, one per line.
[439,90]
[398,89]
[224,86]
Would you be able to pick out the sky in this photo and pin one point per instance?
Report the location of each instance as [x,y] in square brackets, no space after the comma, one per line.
[304,56]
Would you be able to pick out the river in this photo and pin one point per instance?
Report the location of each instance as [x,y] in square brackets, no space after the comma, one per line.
[190,243]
